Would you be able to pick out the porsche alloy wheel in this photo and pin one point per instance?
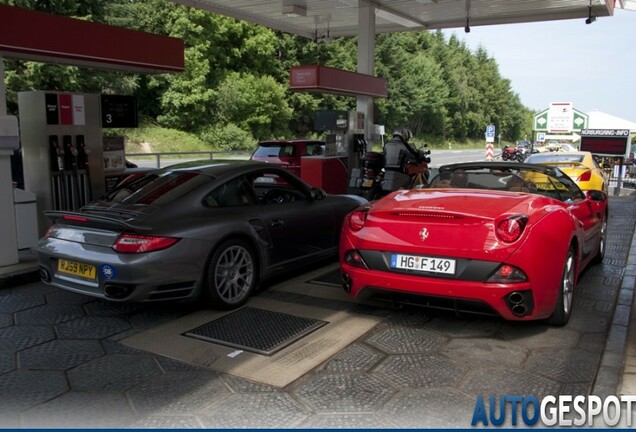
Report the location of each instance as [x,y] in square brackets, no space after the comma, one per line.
[563,309]
[231,275]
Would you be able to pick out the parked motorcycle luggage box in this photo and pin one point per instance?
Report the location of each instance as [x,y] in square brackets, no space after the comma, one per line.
[393,180]
[373,160]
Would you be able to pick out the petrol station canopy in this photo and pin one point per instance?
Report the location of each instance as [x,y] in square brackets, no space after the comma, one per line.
[318,19]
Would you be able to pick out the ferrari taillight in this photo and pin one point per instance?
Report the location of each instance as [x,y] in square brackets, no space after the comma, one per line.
[357,218]
[353,258]
[508,274]
[586,176]
[511,228]
[135,243]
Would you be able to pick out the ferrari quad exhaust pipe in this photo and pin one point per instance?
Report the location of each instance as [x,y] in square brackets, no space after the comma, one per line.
[520,303]
[346,281]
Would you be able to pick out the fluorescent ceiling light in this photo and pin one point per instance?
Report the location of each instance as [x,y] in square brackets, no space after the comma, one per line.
[292,10]
[397,19]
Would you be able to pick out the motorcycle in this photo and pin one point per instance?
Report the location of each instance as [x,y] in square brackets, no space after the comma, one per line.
[509,153]
[514,153]
[374,181]
[522,153]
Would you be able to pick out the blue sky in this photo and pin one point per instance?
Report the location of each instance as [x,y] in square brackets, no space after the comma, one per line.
[593,66]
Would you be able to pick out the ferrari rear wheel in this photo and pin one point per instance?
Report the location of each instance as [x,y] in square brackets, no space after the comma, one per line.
[600,254]
[563,309]
[231,275]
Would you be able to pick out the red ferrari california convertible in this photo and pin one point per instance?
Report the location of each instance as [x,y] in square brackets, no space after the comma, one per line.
[485,237]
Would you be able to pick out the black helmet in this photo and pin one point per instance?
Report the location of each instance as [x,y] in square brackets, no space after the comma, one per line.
[404,134]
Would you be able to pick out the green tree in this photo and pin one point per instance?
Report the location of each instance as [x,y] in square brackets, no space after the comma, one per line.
[256,104]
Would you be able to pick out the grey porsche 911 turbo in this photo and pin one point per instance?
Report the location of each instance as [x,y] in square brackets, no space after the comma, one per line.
[207,229]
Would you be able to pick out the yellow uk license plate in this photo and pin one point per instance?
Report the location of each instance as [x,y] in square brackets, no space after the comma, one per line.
[77,269]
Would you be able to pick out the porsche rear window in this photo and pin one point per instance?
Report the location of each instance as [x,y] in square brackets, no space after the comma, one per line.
[166,188]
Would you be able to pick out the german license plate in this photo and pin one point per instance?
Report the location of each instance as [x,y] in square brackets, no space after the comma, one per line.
[77,269]
[423,263]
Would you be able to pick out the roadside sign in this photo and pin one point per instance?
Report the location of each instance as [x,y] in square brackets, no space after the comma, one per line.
[541,137]
[490,133]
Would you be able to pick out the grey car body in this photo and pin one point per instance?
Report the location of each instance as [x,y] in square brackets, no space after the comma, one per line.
[211,229]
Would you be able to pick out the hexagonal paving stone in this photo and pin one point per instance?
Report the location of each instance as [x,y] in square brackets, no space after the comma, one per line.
[49,314]
[61,296]
[177,393]
[420,371]
[269,410]
[240,385]
[19,301]
[80,410]
[91,327]
[151,317]
[22,389]
[596,291]
[340,393]
[15,338]
[483,352]
[508,381]
[539,335]
[401,340]
[106,308]
[587,322]
[166,422]
[6,320]
[565,366]
[59,354]
[433,408]
[113,373]
[354,358]
[465,326]
[347,421]
[9,419]
[408,317]
[7,362]
[593,342]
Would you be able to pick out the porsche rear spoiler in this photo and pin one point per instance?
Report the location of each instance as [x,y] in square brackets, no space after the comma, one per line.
[77,218]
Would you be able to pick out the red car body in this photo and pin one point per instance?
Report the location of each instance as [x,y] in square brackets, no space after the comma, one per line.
[486,249]
[287,153]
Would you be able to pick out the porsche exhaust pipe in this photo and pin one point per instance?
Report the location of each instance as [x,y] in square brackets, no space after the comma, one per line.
[116,291]
[44,275]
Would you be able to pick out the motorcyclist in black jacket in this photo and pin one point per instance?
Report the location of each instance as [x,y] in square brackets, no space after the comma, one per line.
[398,152]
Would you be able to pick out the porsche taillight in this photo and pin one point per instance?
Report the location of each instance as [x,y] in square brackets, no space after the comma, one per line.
[357,218]
[511,228]
[49,231]
[586,176]
[135,243]
[508,274]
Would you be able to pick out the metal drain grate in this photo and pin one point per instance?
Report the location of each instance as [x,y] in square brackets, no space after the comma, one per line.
[256,330]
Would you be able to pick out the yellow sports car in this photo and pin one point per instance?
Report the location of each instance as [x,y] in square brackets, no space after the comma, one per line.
[580,166]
